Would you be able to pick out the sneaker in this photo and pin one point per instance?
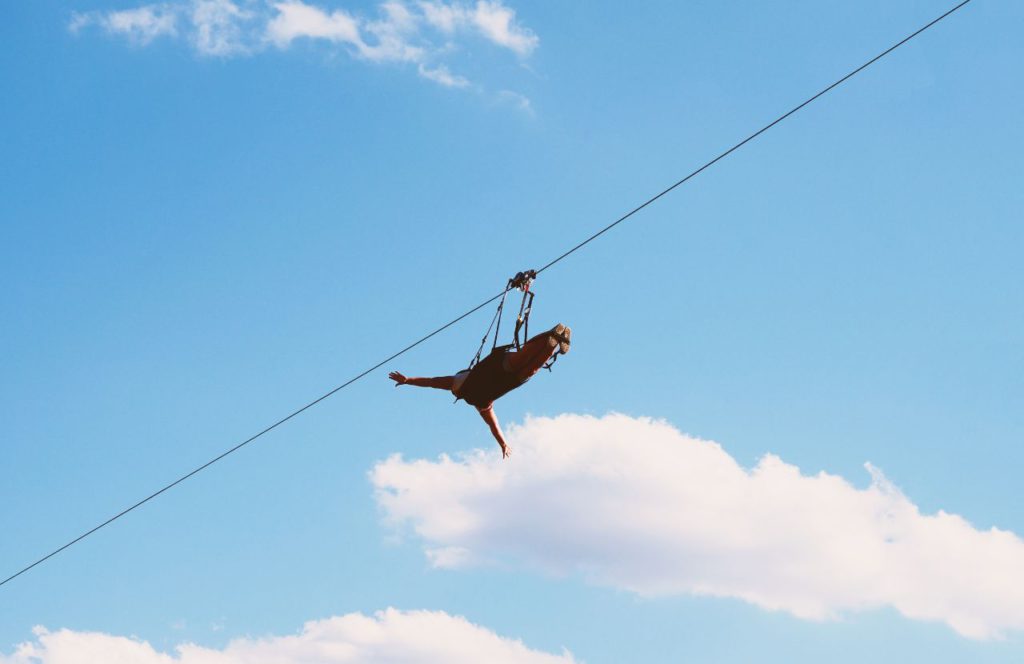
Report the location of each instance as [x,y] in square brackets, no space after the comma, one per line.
[562,334]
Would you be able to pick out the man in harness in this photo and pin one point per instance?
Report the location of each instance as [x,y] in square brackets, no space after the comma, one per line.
[505,368]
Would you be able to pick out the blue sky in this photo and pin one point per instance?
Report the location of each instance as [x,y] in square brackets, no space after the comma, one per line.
[202,230]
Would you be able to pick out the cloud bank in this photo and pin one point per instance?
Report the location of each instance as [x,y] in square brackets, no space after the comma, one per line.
[632,503]
[422,33]
[410,637]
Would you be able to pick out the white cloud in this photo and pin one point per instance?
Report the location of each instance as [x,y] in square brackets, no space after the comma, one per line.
[140,25]
[637,505]
[214,27]
[490,18]
[400,33]
[443,16]
[218,27]
[440,74]
[497,23]
[393,36]
[296,19]
[410,637]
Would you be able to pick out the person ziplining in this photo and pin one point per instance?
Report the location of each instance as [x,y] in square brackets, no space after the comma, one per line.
[506,367]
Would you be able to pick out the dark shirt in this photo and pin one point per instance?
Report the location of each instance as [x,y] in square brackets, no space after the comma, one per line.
[489,380]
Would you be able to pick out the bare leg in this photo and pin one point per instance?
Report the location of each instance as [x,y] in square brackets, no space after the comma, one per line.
[532,356]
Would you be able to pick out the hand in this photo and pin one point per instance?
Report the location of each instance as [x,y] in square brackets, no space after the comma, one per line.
[506,451]
[398,378]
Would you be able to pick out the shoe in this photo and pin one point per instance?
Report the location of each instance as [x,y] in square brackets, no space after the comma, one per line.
[563,335]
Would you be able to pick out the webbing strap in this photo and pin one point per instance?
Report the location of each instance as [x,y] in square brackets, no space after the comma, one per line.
[523,320]
[497,315]
[522,281]
[483,342]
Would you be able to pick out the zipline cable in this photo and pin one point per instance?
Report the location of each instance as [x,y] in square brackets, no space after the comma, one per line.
[485,303]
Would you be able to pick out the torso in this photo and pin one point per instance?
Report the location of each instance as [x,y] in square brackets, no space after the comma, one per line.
[487,381]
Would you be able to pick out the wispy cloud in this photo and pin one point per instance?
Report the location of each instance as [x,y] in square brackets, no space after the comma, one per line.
[139,26]
[421,34]
[411,637]
[517,100]
[491,19]
[635,504]
[219,27]
[296,20]
[440,74]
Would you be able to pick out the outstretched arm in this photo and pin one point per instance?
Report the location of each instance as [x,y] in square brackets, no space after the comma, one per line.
[440,382]
[492,423]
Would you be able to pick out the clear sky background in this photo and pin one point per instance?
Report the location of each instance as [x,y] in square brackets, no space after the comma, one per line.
[201,231]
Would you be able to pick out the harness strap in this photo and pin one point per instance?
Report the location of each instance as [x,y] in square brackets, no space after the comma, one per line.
[523,319]
[522,281]
[497,316]
[483,342]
